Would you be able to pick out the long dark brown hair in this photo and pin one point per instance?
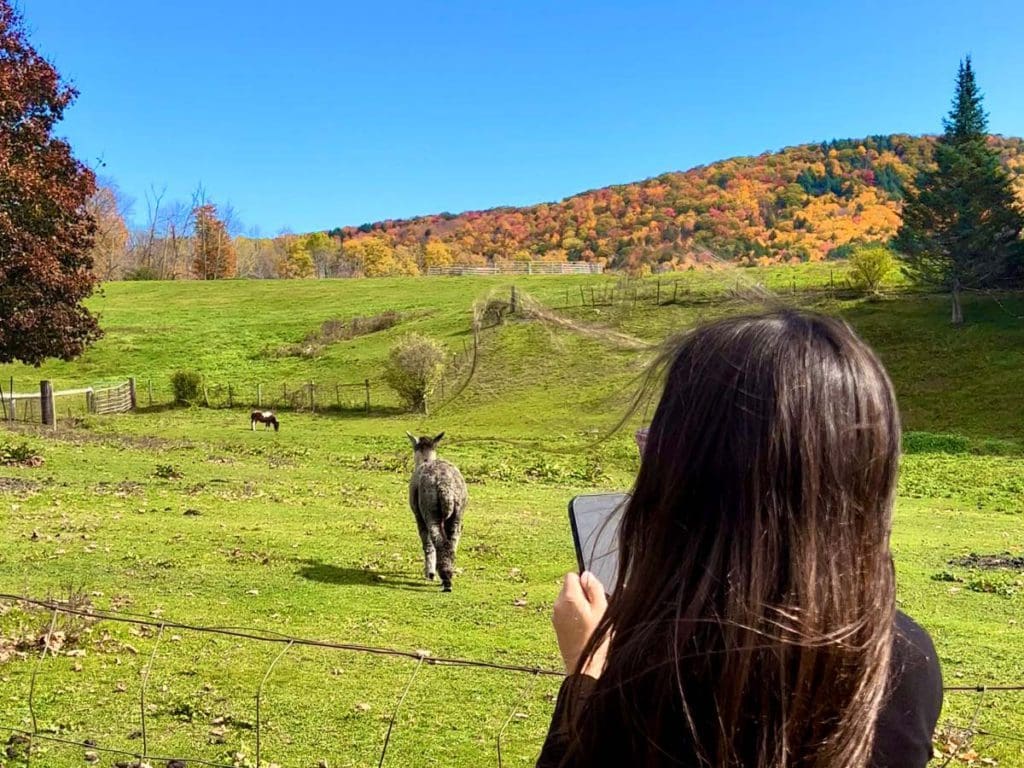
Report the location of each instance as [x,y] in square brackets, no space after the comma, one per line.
[752,620]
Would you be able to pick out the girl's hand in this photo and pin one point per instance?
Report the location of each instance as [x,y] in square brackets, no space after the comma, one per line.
[578,608]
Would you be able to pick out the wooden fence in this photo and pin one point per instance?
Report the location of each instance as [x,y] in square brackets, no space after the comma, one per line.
[47,405]
[521,268]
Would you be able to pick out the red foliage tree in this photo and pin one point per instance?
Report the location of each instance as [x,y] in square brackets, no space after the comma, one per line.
[45,230]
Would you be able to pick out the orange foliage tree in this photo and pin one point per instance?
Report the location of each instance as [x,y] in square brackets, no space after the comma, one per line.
[214,255]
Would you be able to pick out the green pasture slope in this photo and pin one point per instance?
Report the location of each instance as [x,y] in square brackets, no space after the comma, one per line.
[187,515]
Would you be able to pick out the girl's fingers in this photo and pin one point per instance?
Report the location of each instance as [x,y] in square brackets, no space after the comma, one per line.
[594,590]
[571,589]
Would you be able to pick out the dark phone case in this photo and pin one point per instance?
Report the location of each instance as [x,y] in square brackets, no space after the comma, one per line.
[581,566]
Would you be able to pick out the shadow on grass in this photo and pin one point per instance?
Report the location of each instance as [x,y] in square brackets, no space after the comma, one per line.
[326,573]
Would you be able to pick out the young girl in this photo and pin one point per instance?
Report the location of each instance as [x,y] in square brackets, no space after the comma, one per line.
[754,623]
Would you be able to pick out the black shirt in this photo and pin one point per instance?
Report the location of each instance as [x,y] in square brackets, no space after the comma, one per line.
[903,735]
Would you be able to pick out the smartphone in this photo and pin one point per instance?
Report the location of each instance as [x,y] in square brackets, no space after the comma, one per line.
[595,519]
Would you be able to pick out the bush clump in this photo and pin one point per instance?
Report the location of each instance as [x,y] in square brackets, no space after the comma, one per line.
[19,455]
[187,387]
[413,368]
[870,265]
[334,330]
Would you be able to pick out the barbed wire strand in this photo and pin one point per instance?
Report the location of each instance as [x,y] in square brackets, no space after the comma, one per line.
[142,692]
[112,750]
[394,714]
[47,639]
[527,693]
[999,736]
[259,696]
[246,634]
[271,636]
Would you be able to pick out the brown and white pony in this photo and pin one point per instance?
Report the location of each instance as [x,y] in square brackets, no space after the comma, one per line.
[266,418]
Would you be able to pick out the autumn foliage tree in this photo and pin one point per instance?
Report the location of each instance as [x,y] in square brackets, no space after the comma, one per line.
[110,243]
[214,255]
[46,231]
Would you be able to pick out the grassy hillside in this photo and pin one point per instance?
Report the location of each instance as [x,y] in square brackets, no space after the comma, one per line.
[306,531]
[796,204]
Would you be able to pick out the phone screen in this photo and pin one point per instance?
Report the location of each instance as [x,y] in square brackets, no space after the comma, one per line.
[595,531]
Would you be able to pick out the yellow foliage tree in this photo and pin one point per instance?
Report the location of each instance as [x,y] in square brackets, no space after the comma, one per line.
[437,254]
[297,261]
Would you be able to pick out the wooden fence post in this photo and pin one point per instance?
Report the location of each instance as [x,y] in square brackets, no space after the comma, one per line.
[206,395]
[337,394]
[150,387]
[657,296]
[47,413]
[11,414]
[312,398]
[131,392]
[90,401]
[583,297]
[514,302]
[367,383]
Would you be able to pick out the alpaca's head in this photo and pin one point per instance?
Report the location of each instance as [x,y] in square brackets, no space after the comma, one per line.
[424,449]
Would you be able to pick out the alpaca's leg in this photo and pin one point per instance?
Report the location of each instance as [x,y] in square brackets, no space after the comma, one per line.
[453,530]
[429,553]
[445,556]
[446,564]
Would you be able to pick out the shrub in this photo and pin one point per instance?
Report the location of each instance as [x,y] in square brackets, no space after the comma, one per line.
[335,330]
[187,386]
[869,266]
[20,455]
[142,273]
[413,368]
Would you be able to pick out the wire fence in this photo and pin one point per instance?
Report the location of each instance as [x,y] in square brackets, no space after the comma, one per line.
[520,268]
[48,403]
[37,733]
[953,742]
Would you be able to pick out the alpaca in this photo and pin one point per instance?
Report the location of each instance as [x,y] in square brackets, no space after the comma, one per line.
[438,497]
[266,418]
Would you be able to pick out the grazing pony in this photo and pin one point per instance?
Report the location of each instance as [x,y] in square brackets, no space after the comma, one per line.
[266,418]
[438,497]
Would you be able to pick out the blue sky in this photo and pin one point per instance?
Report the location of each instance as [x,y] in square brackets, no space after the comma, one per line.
[311,114]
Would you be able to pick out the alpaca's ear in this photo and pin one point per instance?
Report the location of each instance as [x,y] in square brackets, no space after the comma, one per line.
[438,438]
[411,439]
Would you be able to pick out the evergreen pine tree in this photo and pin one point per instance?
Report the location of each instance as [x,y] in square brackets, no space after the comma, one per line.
[962,224]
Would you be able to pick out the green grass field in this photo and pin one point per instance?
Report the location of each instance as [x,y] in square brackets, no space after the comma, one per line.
[306,532]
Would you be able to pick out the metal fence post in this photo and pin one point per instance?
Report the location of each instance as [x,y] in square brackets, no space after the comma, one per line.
[131,392]
[367,383]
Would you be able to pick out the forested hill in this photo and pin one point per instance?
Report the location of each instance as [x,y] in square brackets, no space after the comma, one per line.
[796,204]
